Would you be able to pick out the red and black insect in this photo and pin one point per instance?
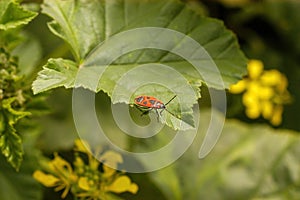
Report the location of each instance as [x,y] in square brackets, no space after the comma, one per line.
[148,103]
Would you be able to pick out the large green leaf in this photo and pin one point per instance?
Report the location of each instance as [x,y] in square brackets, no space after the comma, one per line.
[121,45]
[248,162]
[13,15]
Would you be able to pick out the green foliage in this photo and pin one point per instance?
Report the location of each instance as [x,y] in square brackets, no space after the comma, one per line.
[86,25]
[12,99]
[14,15]
[10,141]
[21,185]
[248,162]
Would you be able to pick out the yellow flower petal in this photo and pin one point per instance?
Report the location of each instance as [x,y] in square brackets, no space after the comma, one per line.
[83,183]
[82,146]
[122,184]
[58,164]
[111,158]
[46,179]
[238,87]
[255,68]
[108,171]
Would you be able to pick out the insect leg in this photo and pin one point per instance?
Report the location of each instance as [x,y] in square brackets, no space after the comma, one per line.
[157,115]
[146,112]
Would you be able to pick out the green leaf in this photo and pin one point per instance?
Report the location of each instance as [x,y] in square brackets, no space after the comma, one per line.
[165,42]
[29,53]
[85,27]
[10,141]
[56,73]
[13,15]
[21,185]
[248,162]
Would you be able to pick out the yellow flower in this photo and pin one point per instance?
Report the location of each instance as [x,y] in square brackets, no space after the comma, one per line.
[265,92]
[122,184]
[62,173]
[86,179]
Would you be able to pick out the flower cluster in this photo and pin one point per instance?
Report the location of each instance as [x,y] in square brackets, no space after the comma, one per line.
[265,92]
[88,179]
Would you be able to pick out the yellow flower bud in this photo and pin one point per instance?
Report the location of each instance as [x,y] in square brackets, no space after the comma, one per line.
[266,93]
[277,116]
[253,112]
[250,99]
[254,87]
[271,77]
[238,87]
[255,68]
[267,109]
[282,86]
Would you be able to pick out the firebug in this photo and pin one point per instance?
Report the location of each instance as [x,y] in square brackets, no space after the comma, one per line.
[148,103]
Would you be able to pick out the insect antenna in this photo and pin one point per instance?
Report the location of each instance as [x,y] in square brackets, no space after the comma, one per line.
[170,100]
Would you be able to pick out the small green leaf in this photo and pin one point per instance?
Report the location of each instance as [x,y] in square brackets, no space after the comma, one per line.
[10,141]
[13,15]
[11,147]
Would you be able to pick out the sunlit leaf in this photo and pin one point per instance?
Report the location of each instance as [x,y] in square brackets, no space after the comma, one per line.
[13,15]
[109,59]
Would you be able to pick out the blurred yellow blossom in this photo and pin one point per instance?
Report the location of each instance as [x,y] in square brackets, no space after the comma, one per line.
[122,184]
[265,92]
[86,179]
